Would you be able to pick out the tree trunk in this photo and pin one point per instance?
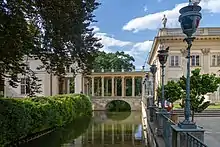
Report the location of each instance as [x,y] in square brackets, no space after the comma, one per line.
[193,113]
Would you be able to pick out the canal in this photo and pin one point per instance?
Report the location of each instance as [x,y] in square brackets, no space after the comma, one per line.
[103,130]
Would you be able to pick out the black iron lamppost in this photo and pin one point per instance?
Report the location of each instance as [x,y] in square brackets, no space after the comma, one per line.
[153,70]
[189,20]
[163,55]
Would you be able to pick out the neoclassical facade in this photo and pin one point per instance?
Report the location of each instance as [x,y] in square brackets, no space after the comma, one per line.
[205,53]
[97,84]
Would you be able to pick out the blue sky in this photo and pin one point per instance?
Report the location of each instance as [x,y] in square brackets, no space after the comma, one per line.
[131,25]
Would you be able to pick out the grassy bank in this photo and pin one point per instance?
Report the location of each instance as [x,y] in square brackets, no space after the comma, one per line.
[216,106]
[21,117]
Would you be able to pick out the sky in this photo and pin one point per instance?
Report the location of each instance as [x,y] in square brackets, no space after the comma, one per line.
[131,25]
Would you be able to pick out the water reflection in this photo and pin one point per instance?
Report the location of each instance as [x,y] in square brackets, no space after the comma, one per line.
[120,129]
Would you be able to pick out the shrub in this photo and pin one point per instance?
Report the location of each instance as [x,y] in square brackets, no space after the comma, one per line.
[21,117]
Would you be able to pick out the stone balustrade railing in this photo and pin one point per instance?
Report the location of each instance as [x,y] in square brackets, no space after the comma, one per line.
[199,32]
[72,70]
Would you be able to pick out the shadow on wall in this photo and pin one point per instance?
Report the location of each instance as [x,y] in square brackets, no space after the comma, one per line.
[118,106]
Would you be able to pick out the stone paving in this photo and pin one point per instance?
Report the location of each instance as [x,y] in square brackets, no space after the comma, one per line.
[212,133]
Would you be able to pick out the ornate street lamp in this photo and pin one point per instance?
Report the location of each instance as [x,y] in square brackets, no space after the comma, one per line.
[153,70]
[163,55]
[189,20]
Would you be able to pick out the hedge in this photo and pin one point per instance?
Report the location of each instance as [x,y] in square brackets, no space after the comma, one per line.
[21,117]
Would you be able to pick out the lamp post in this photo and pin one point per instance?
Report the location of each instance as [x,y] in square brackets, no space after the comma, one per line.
[189,20]
[163,55]
[153,70]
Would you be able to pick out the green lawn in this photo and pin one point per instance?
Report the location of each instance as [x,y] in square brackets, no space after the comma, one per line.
[217,106]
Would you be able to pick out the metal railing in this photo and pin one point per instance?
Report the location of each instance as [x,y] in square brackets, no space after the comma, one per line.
[187,139]
[167,130]
[192,141]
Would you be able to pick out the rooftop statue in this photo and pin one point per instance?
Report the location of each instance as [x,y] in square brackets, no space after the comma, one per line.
[164,21]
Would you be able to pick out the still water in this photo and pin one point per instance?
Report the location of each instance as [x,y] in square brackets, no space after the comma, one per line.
[103,130]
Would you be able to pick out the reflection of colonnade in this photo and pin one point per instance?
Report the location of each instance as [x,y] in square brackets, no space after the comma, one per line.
[110,134]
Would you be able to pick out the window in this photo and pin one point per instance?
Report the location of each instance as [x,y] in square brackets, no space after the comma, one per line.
[24,86]
[195,60]
[174,61]
[216,60]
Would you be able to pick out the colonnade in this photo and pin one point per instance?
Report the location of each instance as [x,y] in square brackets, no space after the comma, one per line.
[104,85]
[114,83]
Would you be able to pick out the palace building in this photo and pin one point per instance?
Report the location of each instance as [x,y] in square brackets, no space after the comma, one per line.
[205,54]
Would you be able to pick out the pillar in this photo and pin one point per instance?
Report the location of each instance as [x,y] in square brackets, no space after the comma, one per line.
[103,88]
[113,86]
[68,86]
[206,64]
[116,90]
[143,87]
[93,88]
[122,86]
[106,90]
[79,83]
[133,86]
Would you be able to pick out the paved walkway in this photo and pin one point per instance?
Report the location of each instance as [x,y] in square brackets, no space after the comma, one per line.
[212,133]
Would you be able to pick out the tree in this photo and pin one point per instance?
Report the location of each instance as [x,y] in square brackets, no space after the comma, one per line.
[172,91]
[116,61]
[200,85]
[56,32]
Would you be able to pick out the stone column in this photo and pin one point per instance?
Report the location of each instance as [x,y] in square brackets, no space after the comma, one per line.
[106,86]
[206,64]
[143,87]
[133,86]
[93,86]
[113,86]
[116,90]
[103,88]
[68,86]
[122,86]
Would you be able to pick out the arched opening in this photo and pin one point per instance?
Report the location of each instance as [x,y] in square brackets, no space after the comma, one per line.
[118,106]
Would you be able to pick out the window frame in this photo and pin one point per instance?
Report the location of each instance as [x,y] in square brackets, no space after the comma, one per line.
[194,60]
[24,84]
[174,61]
[215,62]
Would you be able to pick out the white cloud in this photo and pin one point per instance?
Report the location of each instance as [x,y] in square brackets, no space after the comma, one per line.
[143,46]
[153,21]
[138,50]
[109,41]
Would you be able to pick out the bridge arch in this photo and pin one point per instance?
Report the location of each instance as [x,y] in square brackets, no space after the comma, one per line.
[99,103]
[118,105]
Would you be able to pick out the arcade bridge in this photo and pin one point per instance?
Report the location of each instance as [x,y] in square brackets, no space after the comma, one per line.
[105,86]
